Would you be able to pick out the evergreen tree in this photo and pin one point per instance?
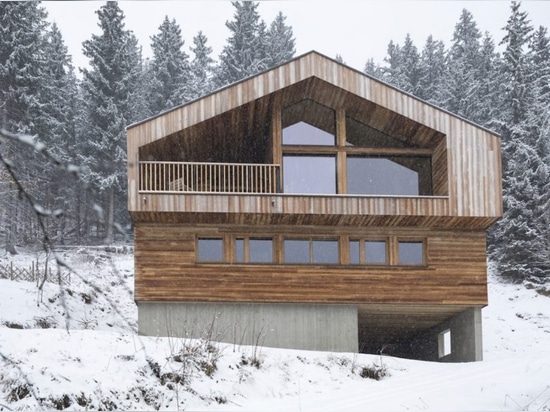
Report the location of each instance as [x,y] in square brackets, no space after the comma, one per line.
[373,69]
[515,66]
[169,70]
[244,54]
[22,25]
[281,45]
[461,81]
[108,88]
[56,128]
[202,66]
[489,81]
[431,68]
[404,66]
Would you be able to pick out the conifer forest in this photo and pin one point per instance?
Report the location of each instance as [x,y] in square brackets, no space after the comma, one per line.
[63,128]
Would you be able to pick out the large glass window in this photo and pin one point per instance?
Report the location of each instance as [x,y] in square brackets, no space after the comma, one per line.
[380,176]
[410,252]
[309,123]
[309,174]
[302,133]
[210,250]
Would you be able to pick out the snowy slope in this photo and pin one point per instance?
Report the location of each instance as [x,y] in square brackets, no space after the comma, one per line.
[102,364]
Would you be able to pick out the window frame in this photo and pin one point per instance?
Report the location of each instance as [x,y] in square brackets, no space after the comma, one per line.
[362,250]
[311,257]
[198,249]
[422,241]
[246,249]
[342,151]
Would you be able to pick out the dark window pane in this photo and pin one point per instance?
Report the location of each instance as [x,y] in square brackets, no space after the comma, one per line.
[211,250]
[309,174]
[325,251]
[375,251]
[302,133]
[261,250]
[296,251]
[354,252]
[411,253]
[239,250]
[378,176]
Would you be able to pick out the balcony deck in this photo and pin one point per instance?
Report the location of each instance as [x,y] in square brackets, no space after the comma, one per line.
[191,192]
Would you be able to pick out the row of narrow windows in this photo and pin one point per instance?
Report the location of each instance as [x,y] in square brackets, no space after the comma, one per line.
[237,249]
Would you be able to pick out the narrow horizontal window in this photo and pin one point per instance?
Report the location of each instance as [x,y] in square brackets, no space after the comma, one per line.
[260,250]
[325,252]
[375,252]
[210,250]
[296,250]
[411,253]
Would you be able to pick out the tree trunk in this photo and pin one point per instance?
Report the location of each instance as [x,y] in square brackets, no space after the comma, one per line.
[109,218]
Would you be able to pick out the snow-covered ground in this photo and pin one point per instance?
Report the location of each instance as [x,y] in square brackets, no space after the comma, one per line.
[101,363]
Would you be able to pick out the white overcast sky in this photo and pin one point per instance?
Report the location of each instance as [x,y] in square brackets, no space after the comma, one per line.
[357,30]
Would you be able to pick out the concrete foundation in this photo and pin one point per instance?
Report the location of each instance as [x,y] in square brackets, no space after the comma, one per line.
[292,326]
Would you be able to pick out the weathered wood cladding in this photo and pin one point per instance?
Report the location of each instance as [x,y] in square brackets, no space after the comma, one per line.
[166,270]
[469,156]
[303,210]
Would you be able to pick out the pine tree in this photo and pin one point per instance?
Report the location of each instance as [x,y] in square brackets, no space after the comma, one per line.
[431,68]
[56,128]
[461,81]
[515,66]
[22,25]
[489,80]
[202,66]
[280,44]
[404,66]
[244,54]
[170,69]
[373,69]
[108,87]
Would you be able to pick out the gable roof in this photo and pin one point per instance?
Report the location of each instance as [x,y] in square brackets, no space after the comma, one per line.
[308,76]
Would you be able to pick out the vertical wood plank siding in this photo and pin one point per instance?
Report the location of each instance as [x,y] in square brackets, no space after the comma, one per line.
[166,271]
[473,155]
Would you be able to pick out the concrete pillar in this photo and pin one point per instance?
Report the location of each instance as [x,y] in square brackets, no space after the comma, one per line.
[293,326]
[466,336]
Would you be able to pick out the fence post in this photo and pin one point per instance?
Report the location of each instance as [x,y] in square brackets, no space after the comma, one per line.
[11,270]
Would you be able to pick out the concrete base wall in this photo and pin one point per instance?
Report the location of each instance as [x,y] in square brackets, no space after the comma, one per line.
[466,336]
[292,326]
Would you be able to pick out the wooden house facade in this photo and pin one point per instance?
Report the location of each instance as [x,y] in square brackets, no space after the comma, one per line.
[314,207]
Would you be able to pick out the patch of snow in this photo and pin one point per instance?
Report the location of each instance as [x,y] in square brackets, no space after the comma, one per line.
[101,363]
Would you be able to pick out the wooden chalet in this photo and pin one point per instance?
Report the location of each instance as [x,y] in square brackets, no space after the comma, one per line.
[314,207]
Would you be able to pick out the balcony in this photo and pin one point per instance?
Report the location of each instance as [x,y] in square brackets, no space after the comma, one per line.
[204,177]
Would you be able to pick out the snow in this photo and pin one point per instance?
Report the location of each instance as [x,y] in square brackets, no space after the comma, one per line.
[101,363]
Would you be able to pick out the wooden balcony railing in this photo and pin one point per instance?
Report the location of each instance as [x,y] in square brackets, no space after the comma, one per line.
[209,177]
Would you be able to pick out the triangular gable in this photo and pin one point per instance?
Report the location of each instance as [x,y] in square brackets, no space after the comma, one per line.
[311,65]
